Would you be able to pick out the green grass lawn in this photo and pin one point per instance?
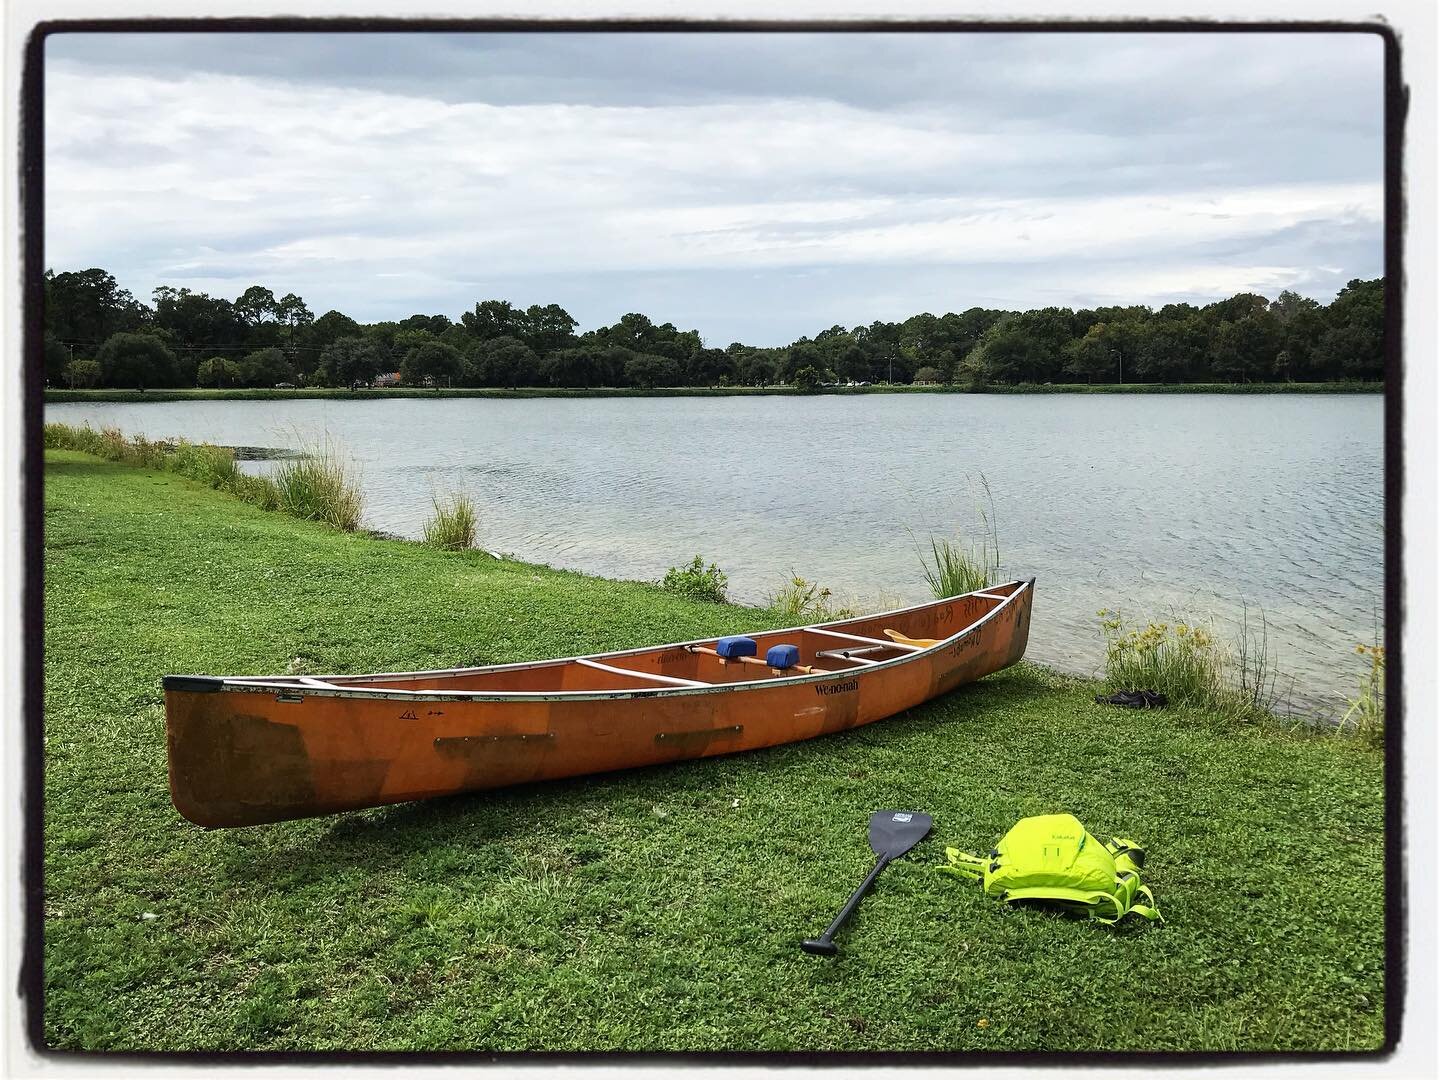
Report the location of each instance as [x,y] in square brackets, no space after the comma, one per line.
[658,909]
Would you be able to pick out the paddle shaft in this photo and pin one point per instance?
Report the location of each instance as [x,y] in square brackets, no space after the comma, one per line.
[824,939]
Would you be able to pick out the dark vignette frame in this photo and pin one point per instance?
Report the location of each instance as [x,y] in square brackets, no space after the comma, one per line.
[32,178]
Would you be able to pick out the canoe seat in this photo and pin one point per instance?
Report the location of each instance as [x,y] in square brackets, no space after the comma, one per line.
[733,648]
[922,643]
[781,657]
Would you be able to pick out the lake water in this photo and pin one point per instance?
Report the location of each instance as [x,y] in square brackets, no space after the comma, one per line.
[1151,505]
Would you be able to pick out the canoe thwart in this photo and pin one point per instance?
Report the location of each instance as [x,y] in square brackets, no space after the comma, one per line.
[668,680]
[865,640]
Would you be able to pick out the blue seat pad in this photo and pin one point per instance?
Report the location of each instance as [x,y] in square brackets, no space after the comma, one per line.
[733,647]
[782,656]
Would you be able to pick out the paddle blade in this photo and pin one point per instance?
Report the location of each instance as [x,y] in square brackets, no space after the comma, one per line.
[894,832]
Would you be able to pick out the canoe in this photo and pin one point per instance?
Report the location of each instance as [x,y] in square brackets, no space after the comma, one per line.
[245,750]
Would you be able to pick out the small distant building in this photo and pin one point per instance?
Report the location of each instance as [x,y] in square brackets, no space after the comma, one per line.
[388,378]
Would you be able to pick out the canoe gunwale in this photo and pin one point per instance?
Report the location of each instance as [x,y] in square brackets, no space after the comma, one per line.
[306,685]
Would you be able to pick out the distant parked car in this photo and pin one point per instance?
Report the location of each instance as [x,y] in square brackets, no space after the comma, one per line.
[284,386]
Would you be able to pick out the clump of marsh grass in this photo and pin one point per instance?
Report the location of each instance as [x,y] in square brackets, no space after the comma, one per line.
[320,485]
[213,465]
[1186,662]
[452,526]
[805,601]
[257,490]
[1365,719]
[958,565]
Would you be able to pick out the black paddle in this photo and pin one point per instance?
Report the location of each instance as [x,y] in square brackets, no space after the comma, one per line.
[892,834]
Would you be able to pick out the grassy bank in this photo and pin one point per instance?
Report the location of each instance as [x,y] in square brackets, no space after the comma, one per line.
[55,396]
[658,909]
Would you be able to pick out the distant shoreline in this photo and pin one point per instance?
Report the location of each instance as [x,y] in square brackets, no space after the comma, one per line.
[255,394]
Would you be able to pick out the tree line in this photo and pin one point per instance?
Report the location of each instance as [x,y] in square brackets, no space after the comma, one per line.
[98,335]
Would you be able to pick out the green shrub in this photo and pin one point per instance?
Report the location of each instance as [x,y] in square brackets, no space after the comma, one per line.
[452,526]
[696,581]
[804,601]
[319,486]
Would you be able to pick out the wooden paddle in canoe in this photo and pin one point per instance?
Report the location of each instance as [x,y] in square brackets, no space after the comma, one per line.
[246,750]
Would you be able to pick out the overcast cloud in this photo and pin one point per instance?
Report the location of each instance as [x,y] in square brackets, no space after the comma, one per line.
[755,187]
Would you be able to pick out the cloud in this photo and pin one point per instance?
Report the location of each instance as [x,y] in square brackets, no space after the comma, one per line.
[722,175]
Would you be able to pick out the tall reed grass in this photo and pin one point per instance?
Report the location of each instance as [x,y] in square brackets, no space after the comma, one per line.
[320,485]
[1365,718]
[452,526]
[958,565]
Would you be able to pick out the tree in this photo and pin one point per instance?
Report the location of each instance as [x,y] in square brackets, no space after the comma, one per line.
[350,360]
[1005,352]
[192,318]
[1245,349]
[83,374]
[434,361]
[1352,352]
[754,367]
[809,379]
[650,371]
[1091,357]
[217,372]
[256,305]
[266,367]
[634,332]
[88,306]
[492,319]
[710,367]
[136,360]
[506,361]
[291,311]
[56,359]
[1173,349]
[1302,322]
[1235,308]
[430,324]
[927,376]
[548,328]
[329,328]
[1354,345]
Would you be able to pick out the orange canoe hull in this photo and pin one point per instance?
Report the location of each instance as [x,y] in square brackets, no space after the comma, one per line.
[245,751]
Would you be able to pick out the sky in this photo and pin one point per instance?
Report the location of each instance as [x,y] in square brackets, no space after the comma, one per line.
[756,187]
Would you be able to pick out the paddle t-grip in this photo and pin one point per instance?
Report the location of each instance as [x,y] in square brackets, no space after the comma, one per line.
[824,945]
